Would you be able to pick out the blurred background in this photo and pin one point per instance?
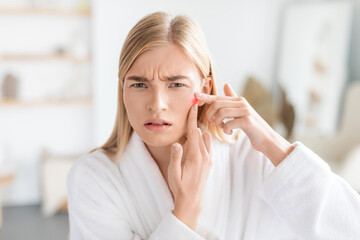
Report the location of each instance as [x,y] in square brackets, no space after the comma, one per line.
[297,63]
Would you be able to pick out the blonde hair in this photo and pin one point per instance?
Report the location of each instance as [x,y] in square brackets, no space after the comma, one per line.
[155,30]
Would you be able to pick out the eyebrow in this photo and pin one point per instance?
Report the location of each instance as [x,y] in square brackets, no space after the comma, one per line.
[144,79]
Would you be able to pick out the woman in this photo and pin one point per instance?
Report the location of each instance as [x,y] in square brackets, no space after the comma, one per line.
[168,171]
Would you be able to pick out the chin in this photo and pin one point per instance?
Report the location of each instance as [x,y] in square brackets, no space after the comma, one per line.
[158,139]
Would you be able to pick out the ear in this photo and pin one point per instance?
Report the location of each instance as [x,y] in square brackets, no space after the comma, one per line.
[207,86]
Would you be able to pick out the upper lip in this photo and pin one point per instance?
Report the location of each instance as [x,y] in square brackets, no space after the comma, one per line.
[157,120]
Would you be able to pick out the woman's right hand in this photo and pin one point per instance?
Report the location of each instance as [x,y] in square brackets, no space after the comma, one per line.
[188,171]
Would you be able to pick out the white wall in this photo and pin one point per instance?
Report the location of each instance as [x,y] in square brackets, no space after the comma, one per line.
[27,129]
[241,36]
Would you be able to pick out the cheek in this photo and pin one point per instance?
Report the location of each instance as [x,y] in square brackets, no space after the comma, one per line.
[193,100]
[130,105]
[188,99]
[126,101]
[182,110]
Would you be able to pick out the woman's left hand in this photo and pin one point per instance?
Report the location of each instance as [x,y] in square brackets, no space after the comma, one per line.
[262,137]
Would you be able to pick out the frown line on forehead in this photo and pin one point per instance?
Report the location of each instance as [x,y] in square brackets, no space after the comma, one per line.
[167,78]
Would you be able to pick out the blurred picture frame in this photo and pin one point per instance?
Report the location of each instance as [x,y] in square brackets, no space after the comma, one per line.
[312,64]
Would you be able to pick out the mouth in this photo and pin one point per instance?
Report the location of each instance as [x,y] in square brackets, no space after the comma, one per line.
[157,122]
[157,125]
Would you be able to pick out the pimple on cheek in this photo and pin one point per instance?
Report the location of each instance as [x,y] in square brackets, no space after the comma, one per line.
[194,100]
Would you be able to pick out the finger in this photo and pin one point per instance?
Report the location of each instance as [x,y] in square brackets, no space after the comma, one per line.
[207,142]
[225,113]
[183,142]
[234,124]
[229,91]
[201,143]
[206,98]
[174,168]
[192,118]
[214,108]
[192,128]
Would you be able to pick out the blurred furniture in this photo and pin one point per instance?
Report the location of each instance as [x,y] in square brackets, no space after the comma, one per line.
[54,170]
[339,150]
[261,100]
[4,180]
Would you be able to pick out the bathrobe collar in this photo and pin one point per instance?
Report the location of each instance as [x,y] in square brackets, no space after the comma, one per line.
[145,183]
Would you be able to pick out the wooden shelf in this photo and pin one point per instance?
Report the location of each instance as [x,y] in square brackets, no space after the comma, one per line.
[22,103]
[45,57]
[40,11]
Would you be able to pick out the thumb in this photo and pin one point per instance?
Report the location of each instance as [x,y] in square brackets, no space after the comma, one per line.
[229,91]
[175,161]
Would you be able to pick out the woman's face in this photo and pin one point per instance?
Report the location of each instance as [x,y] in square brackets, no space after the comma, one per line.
[158,92]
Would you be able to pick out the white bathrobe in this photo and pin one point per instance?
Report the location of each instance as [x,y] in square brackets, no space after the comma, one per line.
[246,197]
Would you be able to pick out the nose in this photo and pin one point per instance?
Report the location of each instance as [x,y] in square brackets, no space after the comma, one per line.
[157,101]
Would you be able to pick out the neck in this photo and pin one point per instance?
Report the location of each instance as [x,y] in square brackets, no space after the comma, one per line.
[161,155]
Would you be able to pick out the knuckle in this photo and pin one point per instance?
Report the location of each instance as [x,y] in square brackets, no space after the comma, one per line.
[247,111]
[221,112]
[182,191]
[217,104]
[238,103]
[242,99]
[197,161]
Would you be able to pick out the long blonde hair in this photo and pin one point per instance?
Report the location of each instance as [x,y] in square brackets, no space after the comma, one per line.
[155,30]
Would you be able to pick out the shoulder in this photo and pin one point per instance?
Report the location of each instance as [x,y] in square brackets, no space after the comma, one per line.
[95,179]
[92,169]
[92,163]
[96,194]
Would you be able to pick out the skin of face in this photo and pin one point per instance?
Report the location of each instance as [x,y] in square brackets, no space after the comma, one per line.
[150,92]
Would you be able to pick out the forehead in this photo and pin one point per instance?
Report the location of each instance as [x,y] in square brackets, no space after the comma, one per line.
[169,59]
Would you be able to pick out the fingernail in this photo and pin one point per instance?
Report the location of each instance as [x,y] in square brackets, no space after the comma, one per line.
[195,108]
[175,147]
[199,94]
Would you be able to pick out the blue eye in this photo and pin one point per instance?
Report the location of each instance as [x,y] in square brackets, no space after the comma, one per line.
[138,85]
[177,85]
